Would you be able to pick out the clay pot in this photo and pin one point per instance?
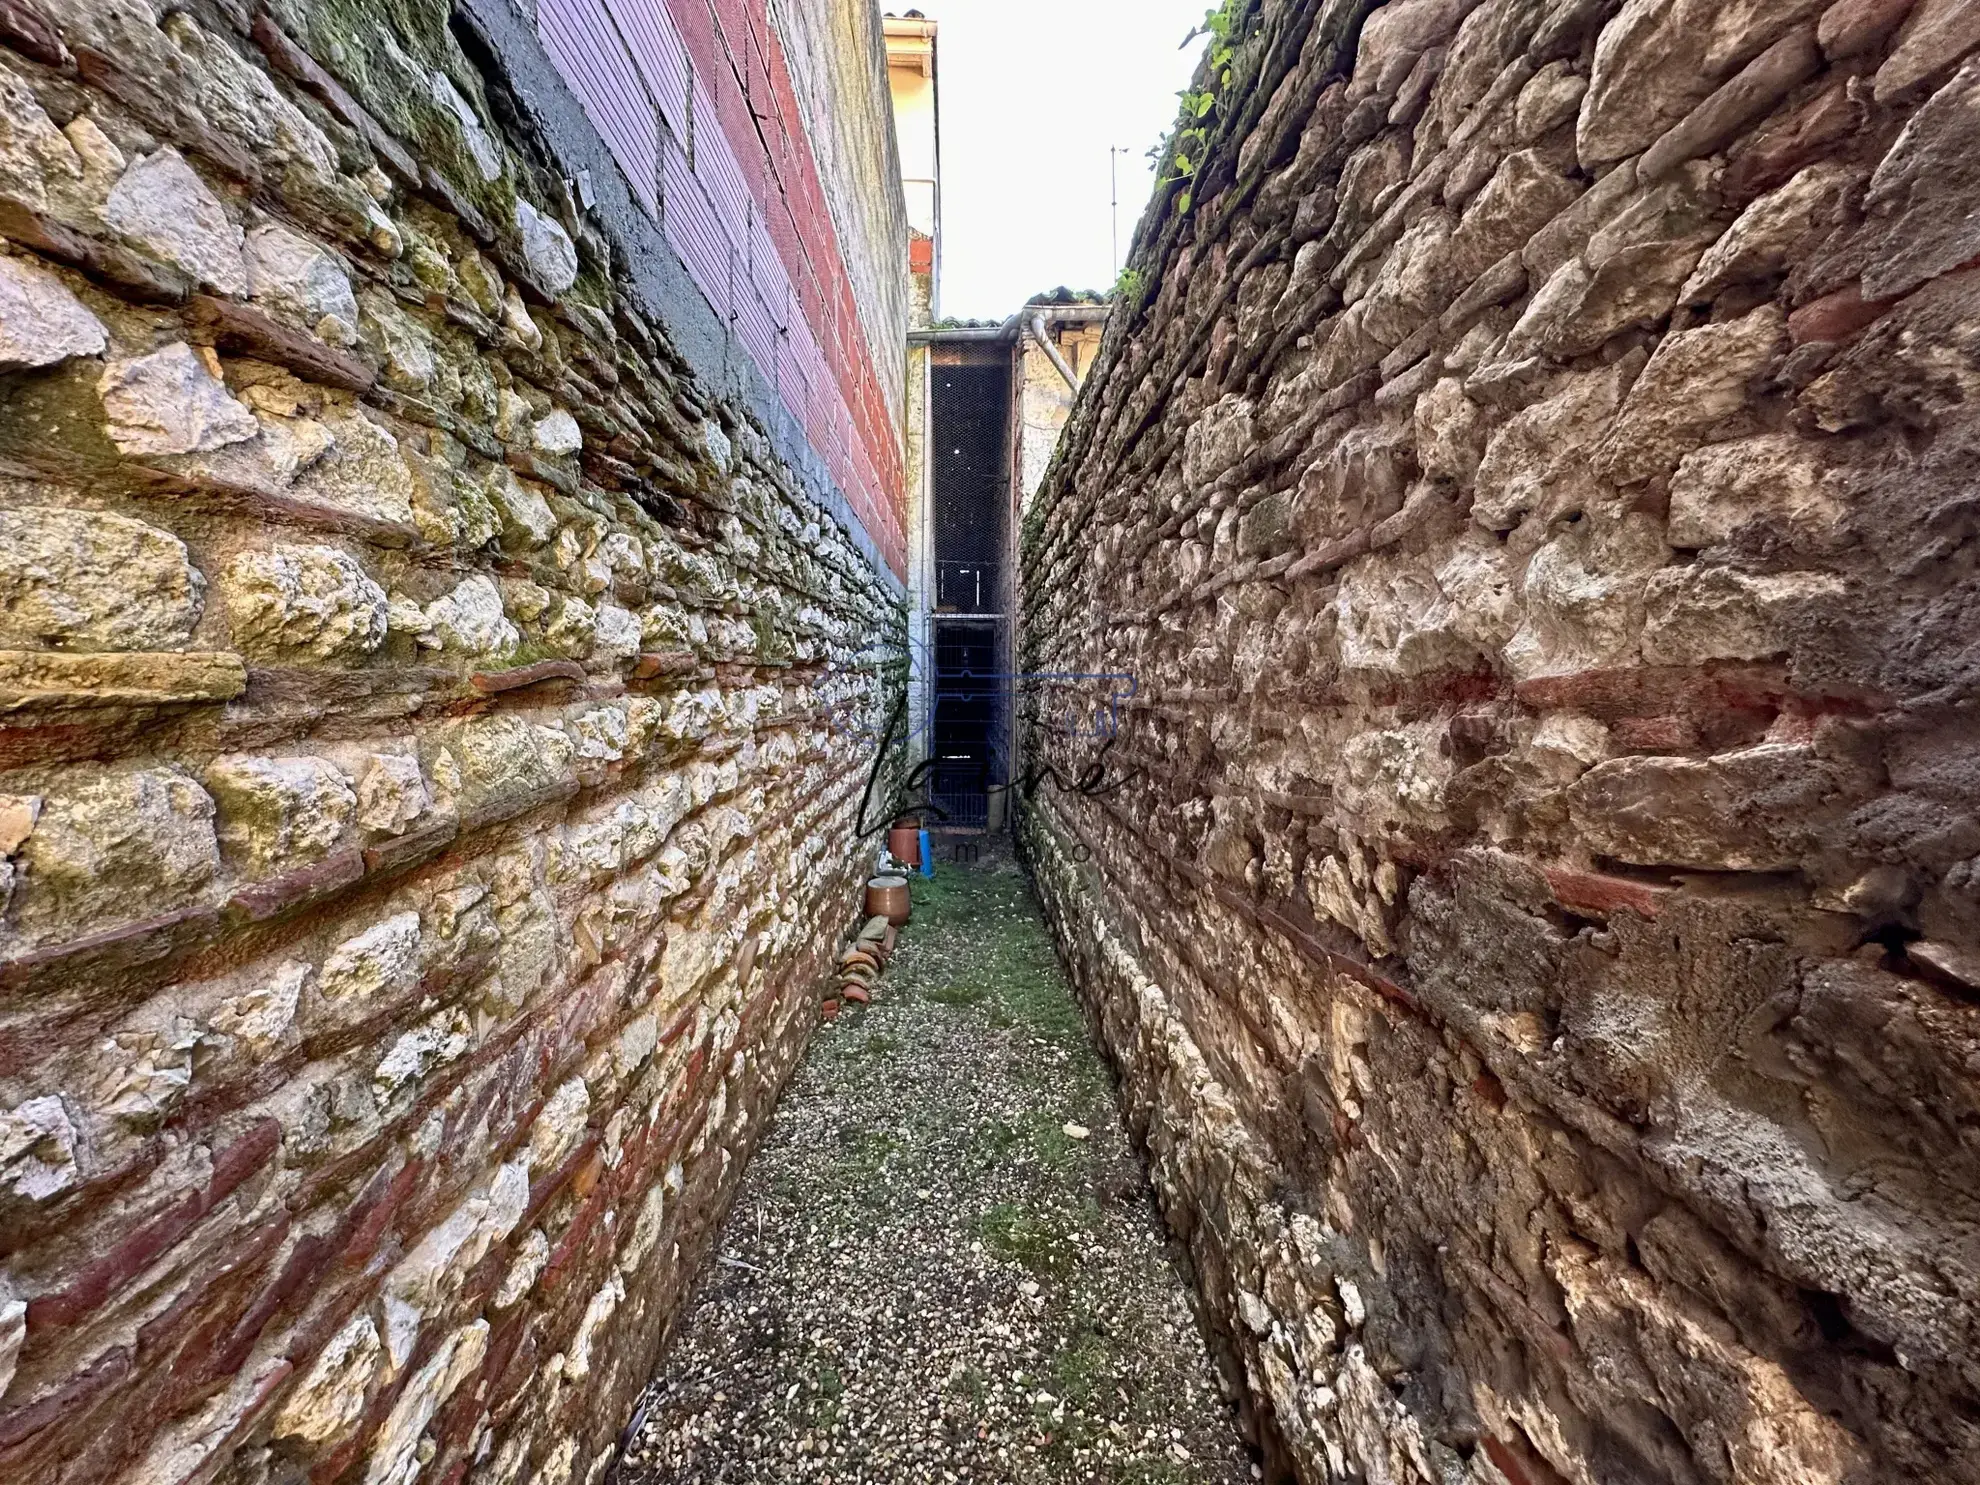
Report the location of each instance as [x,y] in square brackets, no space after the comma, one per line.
[857,995]
[904,844]
[887,897]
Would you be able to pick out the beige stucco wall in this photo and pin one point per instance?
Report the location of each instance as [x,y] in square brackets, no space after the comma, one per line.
[1045,402]
[838,67]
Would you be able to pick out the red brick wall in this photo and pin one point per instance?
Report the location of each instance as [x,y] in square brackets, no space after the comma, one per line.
[748,215]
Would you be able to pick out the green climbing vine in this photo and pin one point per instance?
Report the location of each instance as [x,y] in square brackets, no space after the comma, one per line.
[1189,141]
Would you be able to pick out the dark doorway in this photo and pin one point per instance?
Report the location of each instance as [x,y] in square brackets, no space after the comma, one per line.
[970,427]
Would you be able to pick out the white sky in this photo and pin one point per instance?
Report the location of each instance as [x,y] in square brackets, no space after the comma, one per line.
[1033,93]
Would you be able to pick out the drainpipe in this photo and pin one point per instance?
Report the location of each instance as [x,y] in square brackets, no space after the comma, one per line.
[1038,333]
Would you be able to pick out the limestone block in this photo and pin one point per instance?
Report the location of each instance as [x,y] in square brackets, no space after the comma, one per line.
[410,363]
[1396,35]
[87,580]
[41,322]
[616,634]
[18,814]
[32,150]
[279,813]
[1773,231]
[470,620]
[1217,440]
[303,601]
[526,517]
[445,1037]
[1632,268]
[1657,59]
[1696,614]
[259,1017]
[1523,195]
[1938,33]
[330,1398]
[391,793]
[1392,618]
[13,1333]
[531,1255]
[289,445]
[597,1315]
[1567,744]
[1482,581]
[114,844]
[1750,810]
[1395,777]
[1697,385]
[160,205]
[1775,480]
[1916,202]
[517,320]
[1450,432]
[557,433]
[600,733]
[1584,599]
[381,962]
[499,754]
[171,402]
[288,272]
[560,1126]
[1646,77]
[243,100]
[481,145]
[395,1457]
[364,472]
[547,248]
[721,450]
[1537,462]
[38,1149]
[441,1261]
[1549,99]
[635,1044]
[573,627]
[140,1075]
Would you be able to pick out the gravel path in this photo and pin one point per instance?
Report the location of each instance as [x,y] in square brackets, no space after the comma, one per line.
[944,1263]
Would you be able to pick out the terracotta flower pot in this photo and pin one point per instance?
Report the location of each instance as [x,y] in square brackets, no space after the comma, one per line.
[887,897]
[904,844]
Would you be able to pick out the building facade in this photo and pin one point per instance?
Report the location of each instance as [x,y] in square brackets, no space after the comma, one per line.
[758,136]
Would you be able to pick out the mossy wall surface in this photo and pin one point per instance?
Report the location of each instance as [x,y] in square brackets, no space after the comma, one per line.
[436,699]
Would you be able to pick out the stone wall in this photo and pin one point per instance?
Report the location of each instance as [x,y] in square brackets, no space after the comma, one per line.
[1533,895]
[426,781]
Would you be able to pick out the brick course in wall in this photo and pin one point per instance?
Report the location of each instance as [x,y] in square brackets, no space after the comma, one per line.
[423,819]
[1534,894]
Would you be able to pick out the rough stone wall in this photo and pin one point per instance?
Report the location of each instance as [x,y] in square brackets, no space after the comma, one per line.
[423,825]
[1533,897]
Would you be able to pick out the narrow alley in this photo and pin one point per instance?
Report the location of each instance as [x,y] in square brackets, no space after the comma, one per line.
[944,1263]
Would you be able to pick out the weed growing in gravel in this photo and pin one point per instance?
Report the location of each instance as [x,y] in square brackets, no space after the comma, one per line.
[1021,1237]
